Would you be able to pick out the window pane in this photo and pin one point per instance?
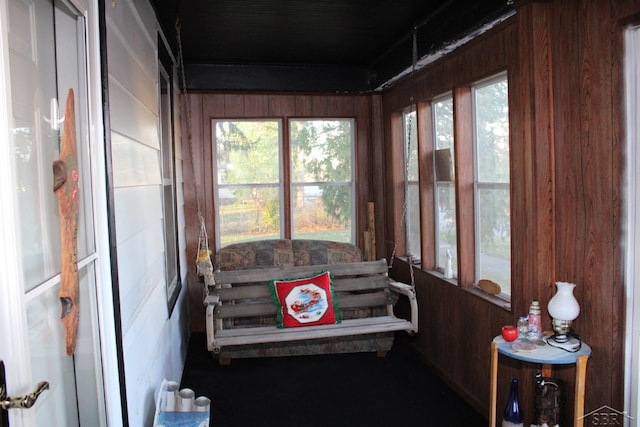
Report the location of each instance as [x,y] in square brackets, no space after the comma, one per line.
[492,132]
[411,145]
[248,213]
[321,150]
[322,198]
[412,214]
[443,123]
[172,281]
[247,152]
[445,203]
[494,231]
[314,215]
[446,220]
[413,221]
[248,189]
[493,223]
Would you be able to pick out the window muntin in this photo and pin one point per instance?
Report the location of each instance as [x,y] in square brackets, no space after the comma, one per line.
[322,194]
[444,191]
[492,182]
[248,190]
[412,202]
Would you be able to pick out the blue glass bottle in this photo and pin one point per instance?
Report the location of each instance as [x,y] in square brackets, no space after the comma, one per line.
[512,415]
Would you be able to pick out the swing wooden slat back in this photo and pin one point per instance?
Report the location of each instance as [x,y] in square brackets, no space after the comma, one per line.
[364,293]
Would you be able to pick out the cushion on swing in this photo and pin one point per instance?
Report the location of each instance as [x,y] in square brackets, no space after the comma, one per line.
[258,254]
[305,301]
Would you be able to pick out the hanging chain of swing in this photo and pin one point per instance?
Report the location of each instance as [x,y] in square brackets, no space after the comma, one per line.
[402,228]
[203,241]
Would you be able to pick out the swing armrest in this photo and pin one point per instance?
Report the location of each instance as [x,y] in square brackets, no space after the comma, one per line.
[210,302]
[211,299]
[410,293]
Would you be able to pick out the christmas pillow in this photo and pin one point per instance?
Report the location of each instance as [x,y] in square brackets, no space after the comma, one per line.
[305,302]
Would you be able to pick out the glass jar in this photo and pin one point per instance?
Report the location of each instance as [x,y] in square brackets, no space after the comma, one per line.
[523,326]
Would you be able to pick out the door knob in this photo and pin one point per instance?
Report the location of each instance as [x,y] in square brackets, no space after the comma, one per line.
[21,402]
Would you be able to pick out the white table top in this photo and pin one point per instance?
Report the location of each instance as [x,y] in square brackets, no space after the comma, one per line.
[544,354]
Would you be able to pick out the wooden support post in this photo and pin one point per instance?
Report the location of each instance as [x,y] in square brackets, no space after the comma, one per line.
[493,388]
[371,223]
[581,377]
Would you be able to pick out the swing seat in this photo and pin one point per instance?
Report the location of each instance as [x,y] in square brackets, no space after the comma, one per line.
[242,319]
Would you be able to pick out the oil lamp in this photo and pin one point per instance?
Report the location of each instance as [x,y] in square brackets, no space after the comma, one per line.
[563,309]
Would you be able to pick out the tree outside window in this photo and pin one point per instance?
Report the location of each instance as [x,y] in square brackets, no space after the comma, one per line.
[492,189]
[412,194]
[445,191]
[322,179]
[250,180]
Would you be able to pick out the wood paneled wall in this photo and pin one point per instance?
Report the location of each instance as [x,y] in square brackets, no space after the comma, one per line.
[564,63]
[365,109]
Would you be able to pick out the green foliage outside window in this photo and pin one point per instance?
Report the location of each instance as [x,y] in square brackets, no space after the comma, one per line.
[249,179]
[321,153]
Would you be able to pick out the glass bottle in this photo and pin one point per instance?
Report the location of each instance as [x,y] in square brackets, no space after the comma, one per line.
[512,415]
[535,321]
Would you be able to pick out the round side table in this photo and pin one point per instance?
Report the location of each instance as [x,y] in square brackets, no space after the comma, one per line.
[547,356]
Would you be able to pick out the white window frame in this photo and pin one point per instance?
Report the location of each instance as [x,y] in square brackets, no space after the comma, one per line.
[217,186]
[412,143]
[437,183]
[285,178]
[478,185]
[350,183]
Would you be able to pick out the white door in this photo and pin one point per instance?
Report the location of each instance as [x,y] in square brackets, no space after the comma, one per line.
[632,227]
[43,51]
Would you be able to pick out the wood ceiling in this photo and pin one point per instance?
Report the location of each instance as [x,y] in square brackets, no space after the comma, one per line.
[313,45]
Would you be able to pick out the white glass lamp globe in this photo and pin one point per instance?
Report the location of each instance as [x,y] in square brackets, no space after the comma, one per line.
[563,305]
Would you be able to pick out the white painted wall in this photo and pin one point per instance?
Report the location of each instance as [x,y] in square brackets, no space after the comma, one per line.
[154,343]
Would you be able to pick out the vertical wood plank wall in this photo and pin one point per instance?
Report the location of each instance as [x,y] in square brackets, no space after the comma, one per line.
[564,63]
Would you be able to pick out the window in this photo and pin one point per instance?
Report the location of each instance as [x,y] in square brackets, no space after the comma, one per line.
[260,196]
[492,183]
[412,193]
[322,196]
[172,268]
[248,187]
[465,137]
[445,191]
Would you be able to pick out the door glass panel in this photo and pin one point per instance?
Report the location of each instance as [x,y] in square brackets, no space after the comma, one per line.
[71,73]
[37,81]
[56,407]
[87,356]
[49,361]
[32,66]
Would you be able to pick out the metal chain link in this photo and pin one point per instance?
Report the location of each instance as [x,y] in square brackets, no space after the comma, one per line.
[403,218]
[186,108]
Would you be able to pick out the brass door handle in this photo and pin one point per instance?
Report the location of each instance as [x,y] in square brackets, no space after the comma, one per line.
[21,402]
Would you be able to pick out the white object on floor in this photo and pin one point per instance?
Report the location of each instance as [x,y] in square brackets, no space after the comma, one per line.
[180,408]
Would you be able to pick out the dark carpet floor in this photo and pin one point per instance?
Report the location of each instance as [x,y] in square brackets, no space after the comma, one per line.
[327,390]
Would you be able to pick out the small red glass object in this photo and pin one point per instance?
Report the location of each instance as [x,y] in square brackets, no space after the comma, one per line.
[510,333]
